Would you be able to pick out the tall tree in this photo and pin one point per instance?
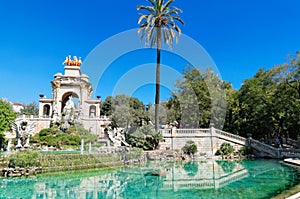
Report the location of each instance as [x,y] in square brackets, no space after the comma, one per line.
[124,110]
[30,109]
[159,22]
[191,103]
[6,114]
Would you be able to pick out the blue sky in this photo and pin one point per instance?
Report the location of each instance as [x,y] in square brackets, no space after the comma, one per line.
[240,36]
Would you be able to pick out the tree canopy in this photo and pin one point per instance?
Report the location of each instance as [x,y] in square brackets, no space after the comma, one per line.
[6,114]
[265,107]
[30,109]
[124,110]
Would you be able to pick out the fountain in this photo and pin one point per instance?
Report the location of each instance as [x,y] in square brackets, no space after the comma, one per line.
[90,147]
[23,128]
[8,145]
[82,145]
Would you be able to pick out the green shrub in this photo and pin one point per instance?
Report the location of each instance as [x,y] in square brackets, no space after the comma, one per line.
[49,131]
[145,137]
[245,151]
[190,148]
[134,153]
[226,149]
[24,159]
[57,138]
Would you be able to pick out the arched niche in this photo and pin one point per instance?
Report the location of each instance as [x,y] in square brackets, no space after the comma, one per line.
[66,97]
[46,110]
[92,111]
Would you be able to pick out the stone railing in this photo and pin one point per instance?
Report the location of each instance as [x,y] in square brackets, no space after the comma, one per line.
[267,149]
[211,132]
[293,143]
[289,153]
[193,131]
[231,137]
[273,152]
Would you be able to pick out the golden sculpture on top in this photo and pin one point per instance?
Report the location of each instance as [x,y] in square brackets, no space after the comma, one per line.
[75,62]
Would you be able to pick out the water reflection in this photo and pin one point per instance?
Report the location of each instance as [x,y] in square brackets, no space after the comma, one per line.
[182,179]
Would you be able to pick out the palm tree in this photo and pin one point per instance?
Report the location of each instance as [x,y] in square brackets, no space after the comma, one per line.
[159,23]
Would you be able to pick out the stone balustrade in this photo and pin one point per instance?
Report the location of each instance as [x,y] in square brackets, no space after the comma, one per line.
[174,136]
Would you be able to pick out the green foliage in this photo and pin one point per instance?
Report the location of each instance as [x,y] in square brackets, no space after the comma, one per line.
[226,149]
[55,137]
[268,104]
[124,110]
[24,159]
[245,151]
[145,137]
[6,114]
[82,133]
[198,99]
[106,106]
[30,109]
[190,148]
[134,153]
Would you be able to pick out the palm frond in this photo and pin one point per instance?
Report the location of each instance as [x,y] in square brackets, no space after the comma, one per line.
[166,5]
[141,18]
[176,9]
[160,23]
[153,4]
[148,8]
[159,4]
[178,19]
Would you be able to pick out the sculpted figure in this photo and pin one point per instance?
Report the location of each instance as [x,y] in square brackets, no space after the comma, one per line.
[23,129]
[79,62]
[69,110]
[75,62]
[68,60]
[117,136]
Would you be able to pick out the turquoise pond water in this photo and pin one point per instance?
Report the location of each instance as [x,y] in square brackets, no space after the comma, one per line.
[205,179]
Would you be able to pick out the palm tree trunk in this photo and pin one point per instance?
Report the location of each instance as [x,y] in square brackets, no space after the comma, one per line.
[157,91]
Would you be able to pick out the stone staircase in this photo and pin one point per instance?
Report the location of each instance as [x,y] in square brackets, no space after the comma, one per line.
[265,150]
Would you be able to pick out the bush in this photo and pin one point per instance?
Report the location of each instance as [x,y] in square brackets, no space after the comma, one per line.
[134,153]
[226,149]
[24,159]
[190,148]
[245,151]
[57,138]
[145,137]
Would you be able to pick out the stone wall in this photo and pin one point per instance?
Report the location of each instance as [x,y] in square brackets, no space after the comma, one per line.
[206,144]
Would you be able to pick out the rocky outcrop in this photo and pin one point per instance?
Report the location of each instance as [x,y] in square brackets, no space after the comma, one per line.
[166,155]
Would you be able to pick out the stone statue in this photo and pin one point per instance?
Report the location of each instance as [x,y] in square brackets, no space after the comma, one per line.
[69,110]
[23,129]
[117,136]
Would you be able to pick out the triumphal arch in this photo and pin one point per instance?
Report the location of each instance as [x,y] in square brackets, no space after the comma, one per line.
[71,101]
